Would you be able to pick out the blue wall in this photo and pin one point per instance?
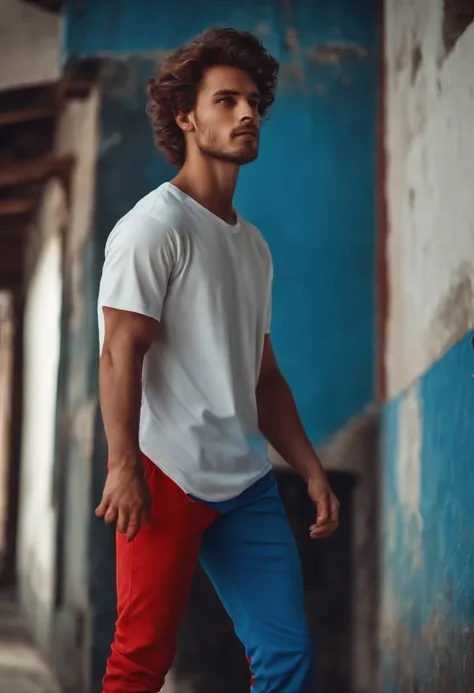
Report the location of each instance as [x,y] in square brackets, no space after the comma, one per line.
[312,191]
[428,585]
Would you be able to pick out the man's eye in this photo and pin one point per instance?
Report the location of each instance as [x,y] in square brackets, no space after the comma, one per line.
[226,99]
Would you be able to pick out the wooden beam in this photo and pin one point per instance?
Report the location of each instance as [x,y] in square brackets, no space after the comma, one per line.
[33,170]
[79,76]
[48,5]
[11,279]
[26,115]
[15,206]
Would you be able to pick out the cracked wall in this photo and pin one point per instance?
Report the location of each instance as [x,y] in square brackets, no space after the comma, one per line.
[430,153]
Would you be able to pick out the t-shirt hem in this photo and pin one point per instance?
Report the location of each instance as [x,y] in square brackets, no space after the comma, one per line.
[167,468]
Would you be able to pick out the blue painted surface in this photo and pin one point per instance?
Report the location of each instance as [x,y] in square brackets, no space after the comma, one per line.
[428,588]
[311,192]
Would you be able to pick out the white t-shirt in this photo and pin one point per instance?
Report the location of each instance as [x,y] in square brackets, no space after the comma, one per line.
[209,285]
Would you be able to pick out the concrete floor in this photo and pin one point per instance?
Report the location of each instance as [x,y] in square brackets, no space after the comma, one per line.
[22,670]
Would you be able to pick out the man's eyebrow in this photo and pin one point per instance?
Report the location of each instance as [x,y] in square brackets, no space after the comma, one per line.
[234,92]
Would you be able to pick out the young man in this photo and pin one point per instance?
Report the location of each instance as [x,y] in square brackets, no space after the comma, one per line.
[190,388]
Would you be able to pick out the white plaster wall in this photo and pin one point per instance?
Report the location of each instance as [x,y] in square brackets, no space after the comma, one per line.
[77,134]
[37,521]
[430,153]
[6,363]
[29,44]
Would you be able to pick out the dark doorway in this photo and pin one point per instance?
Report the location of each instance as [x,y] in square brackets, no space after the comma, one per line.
[210,658]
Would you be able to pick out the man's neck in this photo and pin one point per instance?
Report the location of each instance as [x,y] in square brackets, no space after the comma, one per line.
[212,183]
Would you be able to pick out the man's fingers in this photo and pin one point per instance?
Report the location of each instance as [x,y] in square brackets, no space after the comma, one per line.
[111,515]
[322,505]
[134,523]
[102,507]
[122,520]
[322,532]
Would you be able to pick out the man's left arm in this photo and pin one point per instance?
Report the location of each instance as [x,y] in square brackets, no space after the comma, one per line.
[281,425]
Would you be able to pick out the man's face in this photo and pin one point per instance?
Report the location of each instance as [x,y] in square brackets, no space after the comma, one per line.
[226,118]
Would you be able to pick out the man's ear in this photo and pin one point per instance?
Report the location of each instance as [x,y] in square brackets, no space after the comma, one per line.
[185,121]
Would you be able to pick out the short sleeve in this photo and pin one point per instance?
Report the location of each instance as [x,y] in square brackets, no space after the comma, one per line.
[268,315]
[140,259]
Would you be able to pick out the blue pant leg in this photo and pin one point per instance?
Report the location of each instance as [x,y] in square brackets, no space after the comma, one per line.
[251,557]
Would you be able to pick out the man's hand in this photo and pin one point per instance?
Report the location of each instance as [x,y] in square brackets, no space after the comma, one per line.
[126,499]
[327,518]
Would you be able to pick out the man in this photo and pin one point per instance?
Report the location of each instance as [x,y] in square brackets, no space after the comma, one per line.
[190,388]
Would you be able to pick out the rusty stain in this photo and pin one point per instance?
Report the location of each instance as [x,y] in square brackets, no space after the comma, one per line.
[416,60]
[443,650]
[291,75]
[454,313]
[293,72]
[320,89]
[346,81]
[333,52]
[288,9]
[262,29]
[291,40]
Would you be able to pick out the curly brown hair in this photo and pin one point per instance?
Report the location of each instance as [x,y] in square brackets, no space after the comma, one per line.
[174,89]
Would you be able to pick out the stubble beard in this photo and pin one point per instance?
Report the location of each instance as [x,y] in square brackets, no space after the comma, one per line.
[245,156]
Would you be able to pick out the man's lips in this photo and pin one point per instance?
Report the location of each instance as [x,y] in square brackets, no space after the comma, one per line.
[247,133]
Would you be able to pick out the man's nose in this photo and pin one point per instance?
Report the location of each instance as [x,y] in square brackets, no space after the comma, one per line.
[247,112]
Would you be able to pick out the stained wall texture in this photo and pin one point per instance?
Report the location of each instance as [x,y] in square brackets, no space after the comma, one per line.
[29,44]
[430,151]
[427,620]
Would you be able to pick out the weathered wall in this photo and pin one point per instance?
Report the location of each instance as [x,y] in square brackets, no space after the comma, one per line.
[37,518]
[77,398]
[6,364]
[427,623]
[430,150]
[427,620]
[29,44]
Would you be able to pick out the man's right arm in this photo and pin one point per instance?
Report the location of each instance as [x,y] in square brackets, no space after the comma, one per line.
[127,338]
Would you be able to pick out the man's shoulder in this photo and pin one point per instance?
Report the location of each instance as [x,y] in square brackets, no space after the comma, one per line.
[156,214]
[161,205]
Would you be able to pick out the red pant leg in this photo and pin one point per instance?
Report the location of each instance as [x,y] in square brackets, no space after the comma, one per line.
[154,575]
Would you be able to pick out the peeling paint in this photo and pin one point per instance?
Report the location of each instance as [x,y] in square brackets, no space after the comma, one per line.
[438,659]
[409,464]
[334,52]
[455,310]
[430,166]
[427,620]
[110,142]
[262,29]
